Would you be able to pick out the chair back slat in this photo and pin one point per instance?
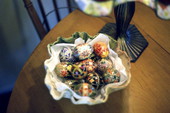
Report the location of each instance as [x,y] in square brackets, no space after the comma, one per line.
[56,10]
[35,19]
[43,15]
[44,26]
[69,6]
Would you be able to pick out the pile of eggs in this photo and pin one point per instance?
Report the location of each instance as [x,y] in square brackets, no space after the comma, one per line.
[86,69]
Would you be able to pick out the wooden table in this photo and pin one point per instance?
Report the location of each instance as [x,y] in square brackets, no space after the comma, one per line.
[148,92]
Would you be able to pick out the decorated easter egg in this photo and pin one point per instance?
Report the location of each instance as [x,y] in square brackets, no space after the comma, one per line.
[89,65]
[61,69]
[104,64]
[82,51]
[66,55]
[102,83]
[72,83]
[111,76]
[101,49]
[85,89]
[93,79]
[79,70]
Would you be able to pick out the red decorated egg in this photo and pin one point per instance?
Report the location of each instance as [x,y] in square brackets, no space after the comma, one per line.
[85,89]
[101,49]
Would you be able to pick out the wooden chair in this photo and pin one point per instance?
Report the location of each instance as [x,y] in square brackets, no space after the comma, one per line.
[42,27]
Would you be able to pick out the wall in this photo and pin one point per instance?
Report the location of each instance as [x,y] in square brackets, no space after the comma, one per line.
[18,38]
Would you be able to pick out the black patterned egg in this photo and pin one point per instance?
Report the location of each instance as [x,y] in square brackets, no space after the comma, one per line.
[79,70]
[104,64]
[93,79]
[66,55]
[61,69]
[111,76]
[89,64]
[82,51]
[85,89]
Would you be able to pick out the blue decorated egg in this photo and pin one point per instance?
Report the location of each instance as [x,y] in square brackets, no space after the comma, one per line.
[66,55]
[82,51]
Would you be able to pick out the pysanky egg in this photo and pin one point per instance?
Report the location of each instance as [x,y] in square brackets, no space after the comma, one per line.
[101,49]
[61,69]
[101,82]
[85,89]
[111,76]
[72,83]
[93,79]
[89,65]
[82,51]
[104,64]
[79,70]
[66,55]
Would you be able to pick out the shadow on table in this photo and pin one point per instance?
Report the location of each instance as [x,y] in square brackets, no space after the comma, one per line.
[41,101]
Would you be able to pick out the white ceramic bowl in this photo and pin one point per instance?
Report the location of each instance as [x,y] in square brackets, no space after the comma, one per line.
[59,90]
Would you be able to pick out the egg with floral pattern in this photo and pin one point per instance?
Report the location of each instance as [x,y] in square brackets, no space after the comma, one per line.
[111,76]
[89,64]
[104,64]
[101,49]
[85,89]
[82,51]
[61,69]
[66,55]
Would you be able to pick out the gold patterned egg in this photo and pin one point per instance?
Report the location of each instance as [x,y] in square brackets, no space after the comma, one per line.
[93,79]
[79,70]
[101,49]
[61,69]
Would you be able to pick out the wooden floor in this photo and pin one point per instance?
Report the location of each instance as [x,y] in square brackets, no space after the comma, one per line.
[148,92]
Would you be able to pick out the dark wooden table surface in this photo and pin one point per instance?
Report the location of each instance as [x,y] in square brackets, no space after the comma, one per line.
[148,92]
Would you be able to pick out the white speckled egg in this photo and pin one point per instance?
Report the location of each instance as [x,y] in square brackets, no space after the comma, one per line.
[82,51]
[104,64]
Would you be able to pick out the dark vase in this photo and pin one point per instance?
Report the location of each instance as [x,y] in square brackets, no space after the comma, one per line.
[128,37]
